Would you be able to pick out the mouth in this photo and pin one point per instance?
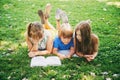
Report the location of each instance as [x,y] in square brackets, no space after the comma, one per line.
[65,43]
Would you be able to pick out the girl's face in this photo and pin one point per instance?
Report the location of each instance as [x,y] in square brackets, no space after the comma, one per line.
[36,37]
[78,35]
[65,40]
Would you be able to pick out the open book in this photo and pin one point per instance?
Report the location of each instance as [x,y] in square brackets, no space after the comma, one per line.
[48,61]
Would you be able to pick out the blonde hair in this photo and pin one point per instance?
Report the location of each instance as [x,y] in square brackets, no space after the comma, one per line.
[65,31]
[35,30]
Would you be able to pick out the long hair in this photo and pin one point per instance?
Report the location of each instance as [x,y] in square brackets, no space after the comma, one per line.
[85,45]
[35,30]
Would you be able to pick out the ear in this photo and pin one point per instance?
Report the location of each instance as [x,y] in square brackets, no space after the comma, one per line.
[28,29]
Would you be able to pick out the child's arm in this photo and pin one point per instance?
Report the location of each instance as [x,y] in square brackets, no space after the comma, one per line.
[72,49]
[91,57]
[88,57]
[71,52]
[61,56]
[34,49]
[80,54]
[49,46]
[29,43]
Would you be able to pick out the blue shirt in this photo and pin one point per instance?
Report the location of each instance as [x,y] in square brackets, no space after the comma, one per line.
[61,46]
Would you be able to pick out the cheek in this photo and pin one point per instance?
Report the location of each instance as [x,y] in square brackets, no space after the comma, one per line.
[79,38]
[63,40]
[69,40]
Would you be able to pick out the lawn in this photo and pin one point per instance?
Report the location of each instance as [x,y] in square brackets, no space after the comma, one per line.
[14,60]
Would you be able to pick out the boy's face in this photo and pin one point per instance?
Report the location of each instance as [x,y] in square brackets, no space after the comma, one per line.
[65,40]
[78,35]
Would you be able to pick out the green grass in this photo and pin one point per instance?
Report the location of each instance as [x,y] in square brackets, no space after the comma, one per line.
[14,60]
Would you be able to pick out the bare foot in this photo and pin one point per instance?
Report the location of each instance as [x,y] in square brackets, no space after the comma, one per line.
[47,10]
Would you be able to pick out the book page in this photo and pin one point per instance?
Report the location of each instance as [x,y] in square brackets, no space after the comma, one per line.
[38,61]
[53,61]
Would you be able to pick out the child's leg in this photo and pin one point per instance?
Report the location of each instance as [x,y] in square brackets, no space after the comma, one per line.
[61,14]
[64,17]
[47,10]
[57,24]
[57,16]
[47,24]
[41,15]
[45,21]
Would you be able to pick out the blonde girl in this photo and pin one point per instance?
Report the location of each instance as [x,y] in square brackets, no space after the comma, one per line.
[39,38]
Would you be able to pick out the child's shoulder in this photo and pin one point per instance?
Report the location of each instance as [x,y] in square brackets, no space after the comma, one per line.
[57,38]
[25,34]
[94,37]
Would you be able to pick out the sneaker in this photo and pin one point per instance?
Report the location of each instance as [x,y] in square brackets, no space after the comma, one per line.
[40,13]
[58,12]
[64,17]
[47,10]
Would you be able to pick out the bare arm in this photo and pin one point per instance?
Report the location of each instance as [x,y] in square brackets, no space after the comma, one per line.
[71,52]
[49,46]
[61,56]
[34,51]
[80,54]
[29,43]
[91,57]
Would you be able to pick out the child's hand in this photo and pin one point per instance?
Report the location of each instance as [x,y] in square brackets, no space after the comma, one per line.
[89,57]
[31,54]
[62,56]
[68,56]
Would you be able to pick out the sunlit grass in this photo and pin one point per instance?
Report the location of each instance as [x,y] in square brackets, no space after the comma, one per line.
[114,3]
[105,18]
